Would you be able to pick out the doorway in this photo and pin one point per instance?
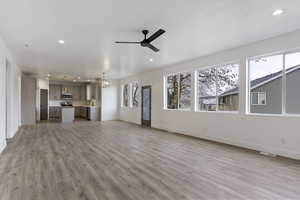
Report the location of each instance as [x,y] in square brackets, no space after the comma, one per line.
[44,104]
[146,106]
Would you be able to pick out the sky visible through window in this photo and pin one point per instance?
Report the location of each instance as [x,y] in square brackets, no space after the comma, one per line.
[265,66]
[292,60]
[268,65]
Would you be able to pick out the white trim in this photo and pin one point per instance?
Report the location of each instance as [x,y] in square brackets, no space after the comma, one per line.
[132,97]
[165,85]
[122,103]
[183,110]
[197,109]
[220,111]
[283,86]
[283,82]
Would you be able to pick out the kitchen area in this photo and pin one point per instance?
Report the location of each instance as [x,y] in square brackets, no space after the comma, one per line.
[73,101]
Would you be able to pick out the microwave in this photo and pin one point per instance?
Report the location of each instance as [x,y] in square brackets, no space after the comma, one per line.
[66,96]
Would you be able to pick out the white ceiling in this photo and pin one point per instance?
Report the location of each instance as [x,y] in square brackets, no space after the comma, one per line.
[89,28]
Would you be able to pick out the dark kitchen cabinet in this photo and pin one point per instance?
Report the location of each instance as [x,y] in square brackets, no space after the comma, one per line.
[55,113]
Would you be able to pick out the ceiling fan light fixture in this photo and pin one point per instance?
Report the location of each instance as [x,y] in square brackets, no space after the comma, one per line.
[146,42]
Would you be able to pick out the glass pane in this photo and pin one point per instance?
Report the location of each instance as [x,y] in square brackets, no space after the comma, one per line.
[262,98]
[126,95]
[254,100]
[172,91]
[207,90]
[292,83]
[185,92]
[135,96]
[146,104]
[228,87]
[266,77]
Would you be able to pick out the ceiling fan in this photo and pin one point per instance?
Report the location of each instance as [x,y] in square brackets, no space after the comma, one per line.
[147,41]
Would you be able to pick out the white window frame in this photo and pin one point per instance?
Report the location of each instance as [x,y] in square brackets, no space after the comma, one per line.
[283,110]
[129,100]
[236,62]
[258,98]
[122,100]
[178,100]
[131,93]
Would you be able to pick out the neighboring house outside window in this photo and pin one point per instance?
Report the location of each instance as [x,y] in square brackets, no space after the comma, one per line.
[218,88]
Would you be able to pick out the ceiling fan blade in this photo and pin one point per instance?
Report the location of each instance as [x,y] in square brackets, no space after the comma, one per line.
[156,35]
[152,47]
[120,42]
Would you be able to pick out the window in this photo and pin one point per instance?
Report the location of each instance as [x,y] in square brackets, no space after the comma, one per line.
[185,91]
[172,92]
[292,73]
[179,91]
[126,95]
[135,94]
[258,98]
[266,84]
[218,88]
[207,90]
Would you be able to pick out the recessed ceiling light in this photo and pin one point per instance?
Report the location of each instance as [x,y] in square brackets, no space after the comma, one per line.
[151,59]
[277,12]
[61,42]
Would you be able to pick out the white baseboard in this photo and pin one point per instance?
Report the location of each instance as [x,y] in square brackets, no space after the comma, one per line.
[256,147]
[2,147]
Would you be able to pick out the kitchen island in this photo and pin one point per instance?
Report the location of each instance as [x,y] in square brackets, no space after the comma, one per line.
[67,114]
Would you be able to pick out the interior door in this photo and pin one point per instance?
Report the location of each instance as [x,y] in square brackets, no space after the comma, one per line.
[44,104]
[146,106]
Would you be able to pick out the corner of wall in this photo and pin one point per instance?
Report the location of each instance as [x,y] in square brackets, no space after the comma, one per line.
[2,146]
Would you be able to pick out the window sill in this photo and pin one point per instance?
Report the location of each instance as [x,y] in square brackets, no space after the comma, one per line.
[181,110]
[273,115]
[218,112]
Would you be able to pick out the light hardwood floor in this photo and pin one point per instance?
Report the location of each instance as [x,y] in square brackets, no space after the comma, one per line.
[117,160]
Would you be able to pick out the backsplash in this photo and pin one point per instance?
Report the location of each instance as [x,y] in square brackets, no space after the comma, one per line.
[58,102]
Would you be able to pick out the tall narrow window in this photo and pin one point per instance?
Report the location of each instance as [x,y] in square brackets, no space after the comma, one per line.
[228,87]
[135,94]
[218,88]
[266,84]
[185,91]
[179,91]
[126,95]
[207,90]
[172,92]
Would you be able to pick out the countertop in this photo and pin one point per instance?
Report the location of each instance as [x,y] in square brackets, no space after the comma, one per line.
[86,106]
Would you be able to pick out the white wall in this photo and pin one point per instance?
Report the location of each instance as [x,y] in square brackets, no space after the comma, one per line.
[110,102]
[273,134]
[28,100]
[14,108]
[14,91]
